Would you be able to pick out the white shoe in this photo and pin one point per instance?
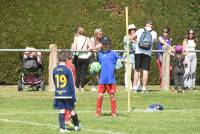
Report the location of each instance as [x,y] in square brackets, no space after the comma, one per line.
[77,128]
[144,89]
[134,89]
[93,88]
[63,130]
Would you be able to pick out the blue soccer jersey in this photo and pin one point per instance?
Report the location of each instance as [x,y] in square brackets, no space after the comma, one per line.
[64,84]
[107,60]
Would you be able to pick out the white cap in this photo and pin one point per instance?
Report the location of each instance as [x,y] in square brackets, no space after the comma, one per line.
[131,26]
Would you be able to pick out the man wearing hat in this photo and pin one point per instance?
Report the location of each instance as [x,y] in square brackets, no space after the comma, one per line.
[146,37]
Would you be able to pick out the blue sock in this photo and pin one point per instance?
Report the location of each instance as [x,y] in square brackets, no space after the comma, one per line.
[62,120]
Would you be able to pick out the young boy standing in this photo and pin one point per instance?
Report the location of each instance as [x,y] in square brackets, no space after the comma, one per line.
[64,91]
[107,59]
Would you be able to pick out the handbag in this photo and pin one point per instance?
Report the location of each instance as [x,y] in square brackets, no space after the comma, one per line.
[76,55]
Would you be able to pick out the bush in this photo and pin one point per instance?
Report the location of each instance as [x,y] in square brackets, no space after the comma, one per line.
[40,23]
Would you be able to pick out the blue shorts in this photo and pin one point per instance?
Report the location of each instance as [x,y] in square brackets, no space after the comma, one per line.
[64,104]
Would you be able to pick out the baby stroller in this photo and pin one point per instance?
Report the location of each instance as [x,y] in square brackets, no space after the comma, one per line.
[31,73]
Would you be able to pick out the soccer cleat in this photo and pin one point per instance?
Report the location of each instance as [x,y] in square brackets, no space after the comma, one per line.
[77,128]
[64,130]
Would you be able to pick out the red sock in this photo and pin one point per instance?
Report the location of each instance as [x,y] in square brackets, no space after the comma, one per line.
[67,116]
[99,104]
[113,106]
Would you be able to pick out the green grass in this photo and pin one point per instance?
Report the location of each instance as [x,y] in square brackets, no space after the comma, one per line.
[32,112]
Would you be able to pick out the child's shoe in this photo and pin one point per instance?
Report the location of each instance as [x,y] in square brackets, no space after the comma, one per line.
[77,128]
[64,130]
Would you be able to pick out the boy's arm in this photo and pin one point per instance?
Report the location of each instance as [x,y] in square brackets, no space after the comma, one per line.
[72,86]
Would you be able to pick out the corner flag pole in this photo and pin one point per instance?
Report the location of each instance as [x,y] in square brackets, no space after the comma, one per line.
[128,63]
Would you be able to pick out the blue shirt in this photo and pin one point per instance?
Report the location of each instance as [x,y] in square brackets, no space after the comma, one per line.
[107,59]
[64,83]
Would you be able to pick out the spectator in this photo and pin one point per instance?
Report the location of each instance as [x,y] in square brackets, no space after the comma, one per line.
[98,33]
[131,42]
[81,43]
[145,38]
[189,44]
[178,66]
[164,42]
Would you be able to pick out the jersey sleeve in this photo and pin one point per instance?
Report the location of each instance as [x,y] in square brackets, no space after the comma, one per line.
[54,76]
[71,85]
[117,56]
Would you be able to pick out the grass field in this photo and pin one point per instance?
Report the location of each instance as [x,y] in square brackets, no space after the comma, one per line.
[31,112]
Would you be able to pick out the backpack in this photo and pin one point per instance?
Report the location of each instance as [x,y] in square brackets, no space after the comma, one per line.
[145,41]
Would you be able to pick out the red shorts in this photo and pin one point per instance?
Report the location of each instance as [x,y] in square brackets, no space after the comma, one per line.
[110,88]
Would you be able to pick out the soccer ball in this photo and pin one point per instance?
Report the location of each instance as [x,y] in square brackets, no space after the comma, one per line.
[95,67]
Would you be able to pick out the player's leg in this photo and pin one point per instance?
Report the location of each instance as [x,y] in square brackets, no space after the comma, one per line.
[75,120]
[60,104]
[111,88]
[101,91]
[67,116]
[62,121]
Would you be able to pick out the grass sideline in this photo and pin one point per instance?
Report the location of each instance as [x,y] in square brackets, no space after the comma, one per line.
[31,112]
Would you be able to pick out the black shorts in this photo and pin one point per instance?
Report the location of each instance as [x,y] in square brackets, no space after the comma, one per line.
[142,62]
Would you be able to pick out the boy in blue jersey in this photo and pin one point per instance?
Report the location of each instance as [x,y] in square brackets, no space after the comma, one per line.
[107,59]
[64,92]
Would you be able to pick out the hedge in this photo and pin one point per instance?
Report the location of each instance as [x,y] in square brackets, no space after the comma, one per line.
[39,23]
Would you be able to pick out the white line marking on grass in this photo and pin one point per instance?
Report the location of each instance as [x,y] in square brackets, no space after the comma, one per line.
[54,126]
[90,111]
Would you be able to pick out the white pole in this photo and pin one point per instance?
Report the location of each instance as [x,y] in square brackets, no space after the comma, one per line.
[128,63]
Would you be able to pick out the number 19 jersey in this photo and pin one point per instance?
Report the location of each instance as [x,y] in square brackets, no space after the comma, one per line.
[64,83]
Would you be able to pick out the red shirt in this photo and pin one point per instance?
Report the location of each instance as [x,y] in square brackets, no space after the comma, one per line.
[70,65]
